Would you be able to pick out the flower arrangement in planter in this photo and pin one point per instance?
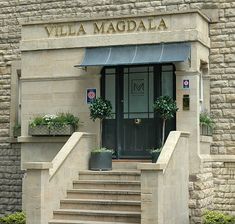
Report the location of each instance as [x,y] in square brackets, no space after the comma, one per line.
[101,158]
[59,124]
[166,107]
[206,124]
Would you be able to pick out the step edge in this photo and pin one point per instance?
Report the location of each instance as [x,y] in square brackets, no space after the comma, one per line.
[99,212]
[99,201]
[102,191]
[106,182]
[84,222]
[115,172]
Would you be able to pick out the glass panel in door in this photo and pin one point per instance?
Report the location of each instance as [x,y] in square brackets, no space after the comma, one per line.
[138,118]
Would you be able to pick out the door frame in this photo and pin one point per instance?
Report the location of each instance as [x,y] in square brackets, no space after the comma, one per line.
[119,78]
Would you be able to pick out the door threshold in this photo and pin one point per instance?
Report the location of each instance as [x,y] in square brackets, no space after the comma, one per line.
[131,160]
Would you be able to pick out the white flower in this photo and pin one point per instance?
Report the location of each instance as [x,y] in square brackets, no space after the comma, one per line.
[49,117]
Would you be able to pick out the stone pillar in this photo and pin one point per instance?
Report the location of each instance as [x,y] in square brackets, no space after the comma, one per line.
[188,120]
[151,194]
[37,188]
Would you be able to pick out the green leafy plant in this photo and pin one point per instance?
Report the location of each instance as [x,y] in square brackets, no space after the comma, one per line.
[59,119]
[16,218]
[213,217]
[206,119]
[100,109]
[99,150]
[166,107]
[17,127]
[155,150]
[16,130]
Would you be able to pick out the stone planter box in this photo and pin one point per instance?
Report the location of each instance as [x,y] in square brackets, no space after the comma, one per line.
[44,130]
[205,130]
[62,130]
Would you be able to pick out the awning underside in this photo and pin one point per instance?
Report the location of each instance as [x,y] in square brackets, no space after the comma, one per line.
[136,54]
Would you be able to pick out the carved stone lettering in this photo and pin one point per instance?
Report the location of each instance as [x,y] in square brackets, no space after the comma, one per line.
[162,25]
[106,27]
[131,25]
[98,29]
[121,26]
[141,26]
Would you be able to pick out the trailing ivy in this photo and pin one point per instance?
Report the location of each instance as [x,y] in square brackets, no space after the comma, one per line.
[16,218]
[213,217]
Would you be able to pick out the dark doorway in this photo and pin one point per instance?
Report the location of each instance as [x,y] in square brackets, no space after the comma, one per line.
[134,127]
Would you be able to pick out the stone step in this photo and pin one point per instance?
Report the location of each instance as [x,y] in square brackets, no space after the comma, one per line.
[110,175]
[103,194]
[107,184]
[93,204]
[59,221]
[128,164]
[98,215]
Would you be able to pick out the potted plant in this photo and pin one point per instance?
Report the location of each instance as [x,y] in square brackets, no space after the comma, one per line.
[17,130]
[166,107]
[59,124]
[101,158]
[155,153]
[206,124]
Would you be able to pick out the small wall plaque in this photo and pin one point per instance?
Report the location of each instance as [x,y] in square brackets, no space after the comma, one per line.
[185,84]
[186,102]
[90,95]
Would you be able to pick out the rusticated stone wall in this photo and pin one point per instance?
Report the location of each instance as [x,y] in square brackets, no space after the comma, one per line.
[222,73]
[201,192]
[224,183]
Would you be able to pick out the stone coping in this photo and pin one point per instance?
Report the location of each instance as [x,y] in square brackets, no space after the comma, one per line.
[217,158]
[167,151]
[207,139]
[118,17]
[58,78]
[151,166]
[42,139]
[37,165]
[65,151]
[49,139]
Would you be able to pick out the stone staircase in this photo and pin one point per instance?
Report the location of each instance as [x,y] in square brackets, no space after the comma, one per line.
[97,197]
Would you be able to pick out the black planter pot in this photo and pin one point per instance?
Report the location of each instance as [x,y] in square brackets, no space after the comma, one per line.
[101,161]
[155,156]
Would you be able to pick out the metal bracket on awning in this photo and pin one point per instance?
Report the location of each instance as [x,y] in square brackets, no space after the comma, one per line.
[136,54]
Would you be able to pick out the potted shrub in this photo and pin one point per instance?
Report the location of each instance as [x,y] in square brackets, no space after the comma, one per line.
[155,153]
[59,124]
[166,107]
[101,158]
[206,124]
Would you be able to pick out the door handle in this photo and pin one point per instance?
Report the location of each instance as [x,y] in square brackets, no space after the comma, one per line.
[137,121]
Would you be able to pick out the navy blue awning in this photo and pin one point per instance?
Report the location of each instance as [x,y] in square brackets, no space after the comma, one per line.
[136,54]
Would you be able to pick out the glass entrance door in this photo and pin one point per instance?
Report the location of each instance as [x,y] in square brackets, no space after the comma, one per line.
[134,127]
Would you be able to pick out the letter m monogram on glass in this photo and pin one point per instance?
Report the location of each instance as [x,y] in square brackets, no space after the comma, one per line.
[137,86]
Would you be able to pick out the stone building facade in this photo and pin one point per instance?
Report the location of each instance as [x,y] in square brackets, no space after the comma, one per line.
[214,186]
